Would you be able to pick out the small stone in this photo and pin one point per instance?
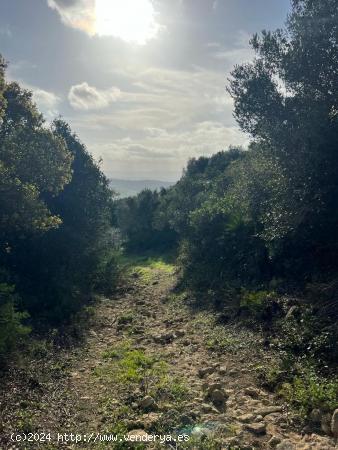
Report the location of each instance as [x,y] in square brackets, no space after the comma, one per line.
[253,392]
[269,410]
[315,415]
[205,371]
[334,424]
[165,338]
[199,431]
[149,420]
[285,445]
[222,370]
[325,423]
[246,418]
[179,333]
[256,428]
[274,441]
[213,386]
[208,409]
[147,402]
[228,392]
[218,397]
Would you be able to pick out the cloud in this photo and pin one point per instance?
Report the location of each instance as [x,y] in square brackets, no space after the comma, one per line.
[46,101]
[85,97]
[78,14]
[240,53]
[161,119]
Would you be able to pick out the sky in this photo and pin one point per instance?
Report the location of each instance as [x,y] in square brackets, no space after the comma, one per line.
[141,82]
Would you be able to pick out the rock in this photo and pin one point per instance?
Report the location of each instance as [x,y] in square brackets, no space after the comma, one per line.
[179,333]
[334,424]
[259,418]
[228,392]
[165,338]
[92,333]
[316,416]
[213,387]
[208,409]
[205,371]
[253,392]
[199,431]
[246,418]
[285,445]
[325,423]
[274,441]
[222,370]
[149,420]
[138,436]
[256,428]
[269,410]
[218,397]
[147,402]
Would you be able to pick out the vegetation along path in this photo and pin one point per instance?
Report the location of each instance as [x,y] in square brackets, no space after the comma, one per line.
[153,364]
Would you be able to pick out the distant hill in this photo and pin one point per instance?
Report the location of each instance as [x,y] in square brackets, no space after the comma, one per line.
[127,188]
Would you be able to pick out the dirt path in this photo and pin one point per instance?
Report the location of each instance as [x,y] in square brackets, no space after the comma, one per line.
[152,364]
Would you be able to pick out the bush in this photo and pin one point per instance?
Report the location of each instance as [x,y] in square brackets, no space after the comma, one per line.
[12,328]
[309,391]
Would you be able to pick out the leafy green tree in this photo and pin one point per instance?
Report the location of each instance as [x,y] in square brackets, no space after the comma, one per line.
[137,220]
[287,100]
[71,261]
[34,163]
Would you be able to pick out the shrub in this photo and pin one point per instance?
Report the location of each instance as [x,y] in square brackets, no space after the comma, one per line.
[12,328]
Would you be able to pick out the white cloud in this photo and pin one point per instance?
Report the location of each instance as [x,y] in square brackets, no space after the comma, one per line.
[163,119]
[46,101]
[240,53]
[85,97]
[78,14]
[130,20]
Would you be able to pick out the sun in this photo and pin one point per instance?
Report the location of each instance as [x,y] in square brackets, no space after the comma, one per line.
[130,20]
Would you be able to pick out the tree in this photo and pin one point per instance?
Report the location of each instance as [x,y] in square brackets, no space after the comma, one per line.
[59,270]
[287,100]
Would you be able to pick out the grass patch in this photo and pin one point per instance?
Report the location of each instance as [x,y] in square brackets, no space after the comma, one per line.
[217,338]
[134,368]
[145,266]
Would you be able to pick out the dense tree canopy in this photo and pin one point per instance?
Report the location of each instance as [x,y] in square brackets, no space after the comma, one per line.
[55,222]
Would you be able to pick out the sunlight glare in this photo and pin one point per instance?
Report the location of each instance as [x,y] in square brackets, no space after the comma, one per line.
[130,20]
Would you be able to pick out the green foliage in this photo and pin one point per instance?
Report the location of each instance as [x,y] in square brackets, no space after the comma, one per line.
[60,269]
[309,391]
[135,218]
[56,219]
[12,329]
[130,367]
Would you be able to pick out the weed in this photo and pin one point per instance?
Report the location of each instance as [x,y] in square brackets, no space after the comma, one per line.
[308,391]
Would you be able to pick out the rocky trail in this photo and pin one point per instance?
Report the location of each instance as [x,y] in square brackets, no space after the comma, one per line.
[152,365]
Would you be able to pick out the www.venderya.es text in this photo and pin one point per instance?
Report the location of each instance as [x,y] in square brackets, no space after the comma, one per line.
[96,437]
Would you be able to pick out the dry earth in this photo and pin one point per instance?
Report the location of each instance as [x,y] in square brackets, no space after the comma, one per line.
[152,364]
